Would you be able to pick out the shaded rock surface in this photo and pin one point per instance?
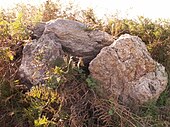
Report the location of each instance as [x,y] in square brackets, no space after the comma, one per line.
[38,30]
[77,39]
[72,37]
[126,71]
[37,57]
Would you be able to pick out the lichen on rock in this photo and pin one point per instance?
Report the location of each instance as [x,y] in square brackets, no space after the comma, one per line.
[54,38]
[126,71]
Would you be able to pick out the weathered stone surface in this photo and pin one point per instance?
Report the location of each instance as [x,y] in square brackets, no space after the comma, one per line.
[37,56]
[126,70]
[38,30]
[55,37]
[77,39]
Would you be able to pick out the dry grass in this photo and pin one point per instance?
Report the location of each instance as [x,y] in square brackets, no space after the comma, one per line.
[75,102]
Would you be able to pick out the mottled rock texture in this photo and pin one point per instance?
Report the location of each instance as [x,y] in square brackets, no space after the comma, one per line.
[38,30]
[37,58]
[78,39]
[125,70]
[54,37]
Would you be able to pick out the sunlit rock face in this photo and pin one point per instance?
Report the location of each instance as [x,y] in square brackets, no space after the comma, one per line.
[125,70]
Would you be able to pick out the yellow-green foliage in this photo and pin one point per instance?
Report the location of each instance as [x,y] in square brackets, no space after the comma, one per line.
[42,105]
[155,34]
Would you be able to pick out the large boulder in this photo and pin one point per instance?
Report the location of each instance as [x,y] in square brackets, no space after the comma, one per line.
[54,37]
[126,71]
[38,57]
[78,39]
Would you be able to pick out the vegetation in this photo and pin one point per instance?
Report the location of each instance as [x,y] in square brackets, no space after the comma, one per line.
[71,99]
